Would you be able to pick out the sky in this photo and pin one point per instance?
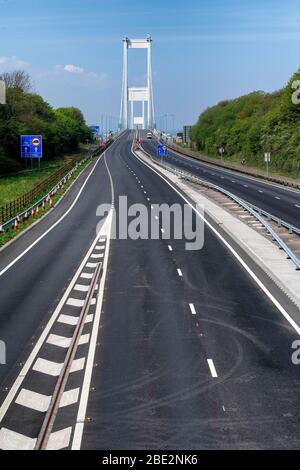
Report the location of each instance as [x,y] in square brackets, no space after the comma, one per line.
[204,51]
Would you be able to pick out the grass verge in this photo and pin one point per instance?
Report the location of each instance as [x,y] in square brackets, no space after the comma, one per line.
[9,233]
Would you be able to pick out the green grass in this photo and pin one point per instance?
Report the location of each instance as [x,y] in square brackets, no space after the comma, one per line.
[13,186]
[248,164]
[10,233]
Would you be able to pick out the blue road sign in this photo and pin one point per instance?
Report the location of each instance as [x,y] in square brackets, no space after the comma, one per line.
[162,150]
[31,146]
[95,129]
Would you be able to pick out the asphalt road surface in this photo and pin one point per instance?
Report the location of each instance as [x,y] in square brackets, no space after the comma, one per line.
[191,354]
[279,201]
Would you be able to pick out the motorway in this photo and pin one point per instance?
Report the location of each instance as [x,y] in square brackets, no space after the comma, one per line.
[276,200]
[189,352]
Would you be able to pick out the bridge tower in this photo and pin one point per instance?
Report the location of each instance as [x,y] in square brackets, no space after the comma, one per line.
[130,95]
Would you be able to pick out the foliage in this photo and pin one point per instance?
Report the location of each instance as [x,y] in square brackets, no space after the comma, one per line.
[62,129]
[252,124]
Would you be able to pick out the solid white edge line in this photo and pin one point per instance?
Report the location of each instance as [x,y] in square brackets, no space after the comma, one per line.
[14,261]
[212,368]
[34,353]
[230,248]
[243,175]
[79,426]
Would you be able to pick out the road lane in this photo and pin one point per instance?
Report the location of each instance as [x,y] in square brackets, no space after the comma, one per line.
[31,288]
[279,201]
[218,375]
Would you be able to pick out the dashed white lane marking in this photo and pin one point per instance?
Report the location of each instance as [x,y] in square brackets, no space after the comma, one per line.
[91,265]
[60,341]
[148,198]
[75,302]
[277,197]
[212,368]
[86,275]
[145,192]
[233,181]
[10,440]
[67,319]
[241,261]
[97,256]
[223,408]
[59,439]
[47,367]
[170,248]
[69,397]
[296,205]
[179,272]
[245,185]
[260,191]
[162,230]
[156,217]
[77,364]
[81,288]
[33,400]
[152,207]
[193,310]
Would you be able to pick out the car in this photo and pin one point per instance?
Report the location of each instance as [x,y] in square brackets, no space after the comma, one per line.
[149,135]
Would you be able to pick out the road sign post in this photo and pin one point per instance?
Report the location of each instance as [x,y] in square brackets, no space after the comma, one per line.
[221,152]
[162,150]
[267,158]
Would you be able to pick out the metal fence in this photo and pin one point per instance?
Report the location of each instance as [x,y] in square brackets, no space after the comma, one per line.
[13,208]
[43,191]
[253,210]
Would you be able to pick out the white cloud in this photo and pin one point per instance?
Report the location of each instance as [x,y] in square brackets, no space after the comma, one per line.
[12,62]
[73,69]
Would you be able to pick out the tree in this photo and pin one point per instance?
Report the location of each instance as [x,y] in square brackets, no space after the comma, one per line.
[253,124]
[17,79]
[28,113]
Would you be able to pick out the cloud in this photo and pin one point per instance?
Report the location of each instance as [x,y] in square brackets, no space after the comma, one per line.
[12,62]
[79,72]
[73,69]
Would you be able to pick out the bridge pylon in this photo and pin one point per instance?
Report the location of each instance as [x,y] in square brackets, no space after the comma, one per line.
[130,95]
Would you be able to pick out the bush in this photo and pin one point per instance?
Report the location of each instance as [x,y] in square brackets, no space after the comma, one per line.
[27,113]
[252,124]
